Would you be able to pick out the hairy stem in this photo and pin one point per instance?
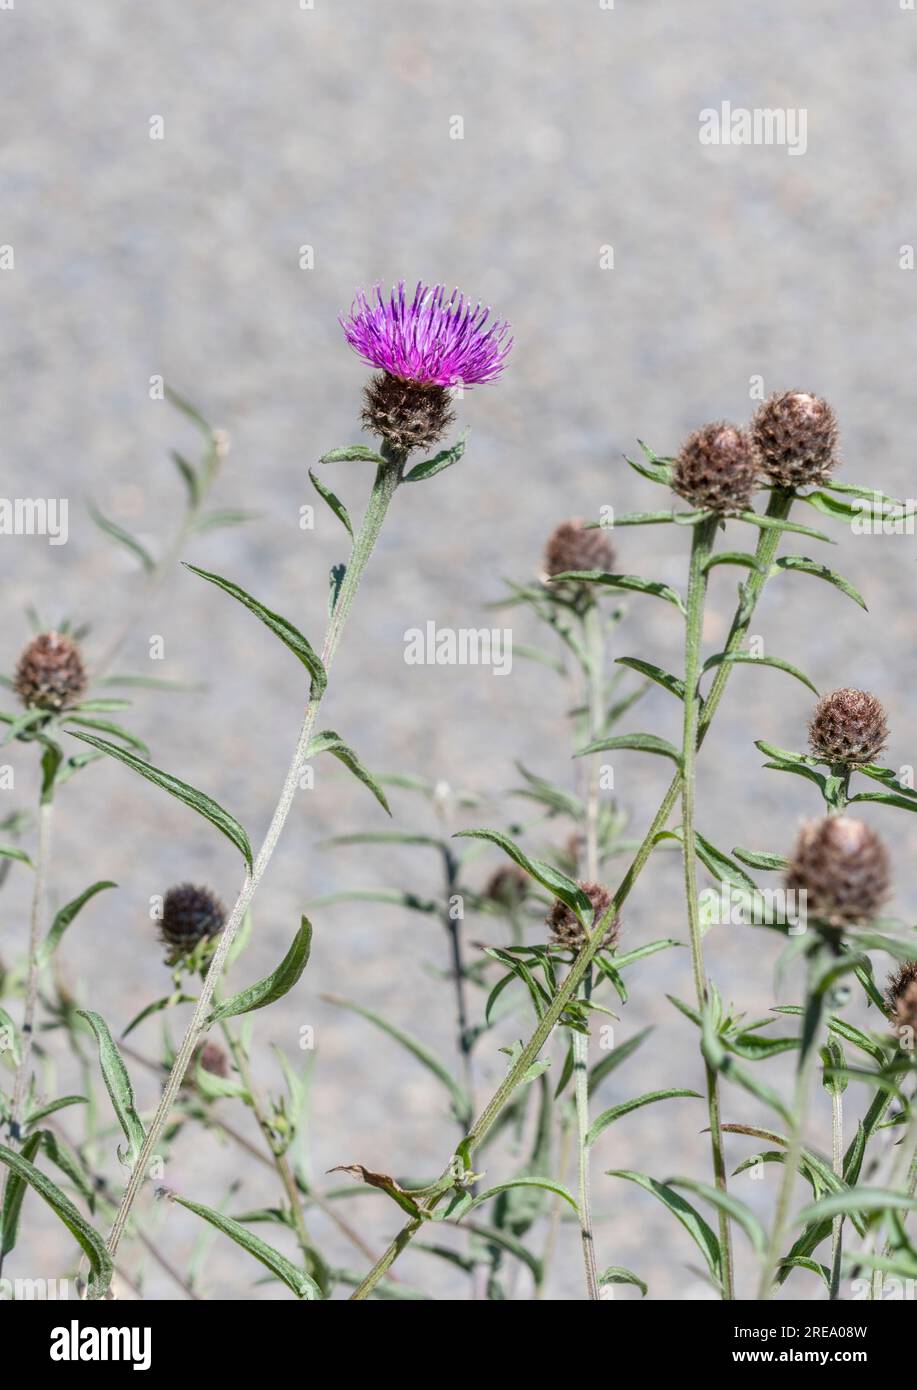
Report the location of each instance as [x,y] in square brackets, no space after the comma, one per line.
[387,479]
[36,922]
[777,509]
[837,1164]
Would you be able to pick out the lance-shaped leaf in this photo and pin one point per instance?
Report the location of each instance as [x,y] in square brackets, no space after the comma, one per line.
[689,1217]
[853,511]
[671,683]
[89,1239]
[856,1200]
[13,1193]
[903,802]
[444,459]
[557,883]
[771,523]
[198,801]
[608,1117]
[118,1086]
[719,658]
[640,743]
[294,1278]
[118,533]
[631,582]
[658,470]
[107,726]
[14,852]
[64,917]
[288,634]
[62,1103]
[732,557]
[330,742]
[803,565]
[429,1059]
[333,501]
[617,1274]
[534,1181]
[760,859]
[352,453]
[724,1201]
[276,985]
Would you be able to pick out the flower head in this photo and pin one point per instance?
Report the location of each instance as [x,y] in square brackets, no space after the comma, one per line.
[715,469]
[571,546]
[848,726]
[431,340]
[189,914]
[566,928]
[795,439]
[902,1000]
[50,674]
[843,868]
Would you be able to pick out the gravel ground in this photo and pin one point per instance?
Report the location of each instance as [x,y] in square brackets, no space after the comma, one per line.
[331,128]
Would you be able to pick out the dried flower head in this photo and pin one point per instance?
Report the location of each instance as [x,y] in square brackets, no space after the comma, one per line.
[406,414]
[848,726]
[843,868]
[572,547]
[213,1058]
[902,1000]
[566,928]
[431,341]
[795,439]
[50,674]
[715,469]
[189,915]
[508,886]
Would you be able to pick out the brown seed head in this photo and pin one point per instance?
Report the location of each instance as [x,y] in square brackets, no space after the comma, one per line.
[189,914]
[566,928]
[843,868]
[571,547]
[902,1001]
[213,1058]
[406,414]
[715,469]
[50,674]
[795,439]
[848,726]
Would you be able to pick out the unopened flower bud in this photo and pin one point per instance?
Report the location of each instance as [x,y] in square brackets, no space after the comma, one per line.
[50,674]
[189,914]
[795,439]
[715,469]
[848,726]
[566,928]
[843,868]
[572,547]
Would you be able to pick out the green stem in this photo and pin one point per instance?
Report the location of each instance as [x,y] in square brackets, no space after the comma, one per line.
[778,508]
[36,922]
[837,1163]
[808,1054]
[388,477]
[704,534]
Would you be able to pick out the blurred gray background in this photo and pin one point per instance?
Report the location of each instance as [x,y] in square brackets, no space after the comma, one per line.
[330,128]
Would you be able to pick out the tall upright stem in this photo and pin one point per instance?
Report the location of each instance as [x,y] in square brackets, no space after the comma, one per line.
[697,591]
[36,921]
[388,476]
[837,1167]
[777,509]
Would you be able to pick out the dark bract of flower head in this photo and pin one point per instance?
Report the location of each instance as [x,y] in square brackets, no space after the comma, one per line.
[901,997]
[566,928]
[572,547]
[430,340]
[715,470]
[795,439]
[189,914]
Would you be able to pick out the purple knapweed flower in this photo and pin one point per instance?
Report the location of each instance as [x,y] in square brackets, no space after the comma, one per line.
[431,340]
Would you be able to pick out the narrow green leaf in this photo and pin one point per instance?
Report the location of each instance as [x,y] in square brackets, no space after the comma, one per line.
[117,533]
[534,1181]
[294,1278]
[393,896]
[65,916]
[671,683]
[89,1239]
[904,803]
[608,1117]
[106,726]
[615,1057]
[856,1200]
[352,453]
[557,883]
[288,634]
[14,1192]
[188,476]
[770,523]
[167,1002]
[276,985]
[641,743]
[215,521]
[803,565]
[118,1086]
[198,801]
[760,859]
[417,1049]
[656,469]
[617,1274]
[333,501]
[622,581]
[732,557]
[724,1201]
[330,742]
[690,1218]
[430,467]
[14,852]
[746,657]
[52,1106]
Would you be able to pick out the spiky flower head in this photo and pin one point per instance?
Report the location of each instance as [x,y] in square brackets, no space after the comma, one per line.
[50,674]
[848,726]
[431,340]
[213,1059]
[189,915]
[408,415]
[795,439]
[572,547]
[566,928]
[843,868]
[902,1002]
[715,469]
[507,886]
